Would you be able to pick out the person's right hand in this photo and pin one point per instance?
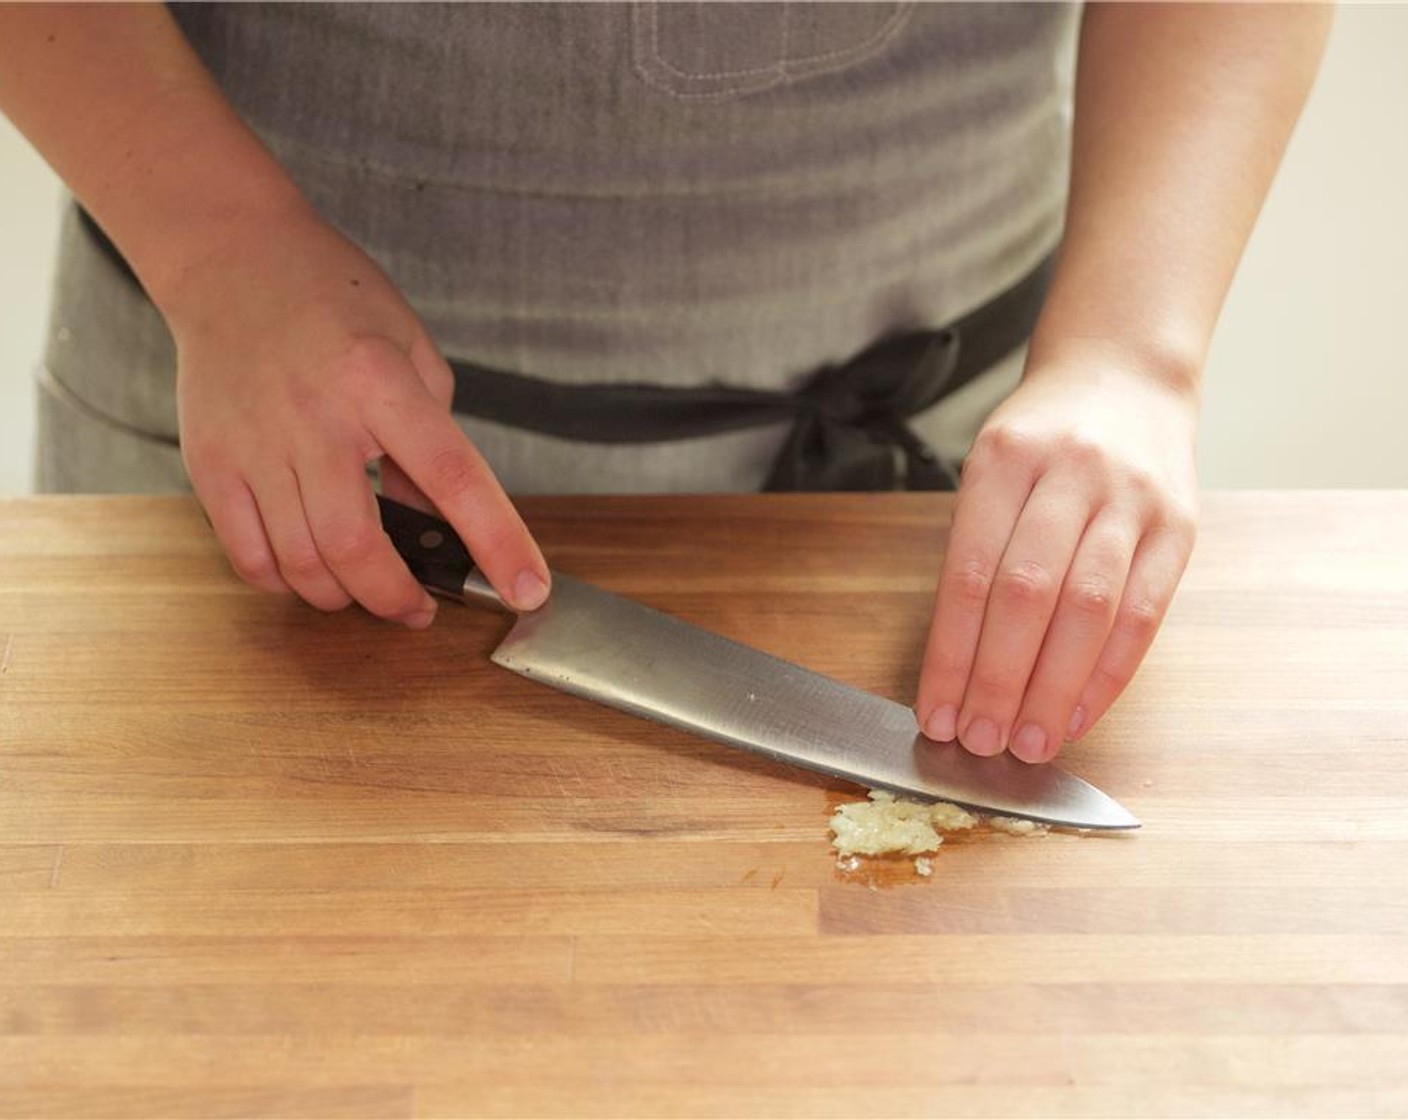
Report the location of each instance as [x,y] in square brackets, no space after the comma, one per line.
[298,364]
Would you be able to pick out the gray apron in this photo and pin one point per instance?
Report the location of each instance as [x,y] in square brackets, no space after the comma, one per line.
[667,193]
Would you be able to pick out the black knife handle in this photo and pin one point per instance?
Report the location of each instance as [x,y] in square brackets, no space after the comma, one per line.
[430,548]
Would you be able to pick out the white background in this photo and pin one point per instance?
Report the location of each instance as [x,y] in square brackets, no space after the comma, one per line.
[1307,383]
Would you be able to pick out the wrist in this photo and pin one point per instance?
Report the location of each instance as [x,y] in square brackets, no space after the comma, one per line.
[169,256]
[190,190]
[1117,370]
[117,102]
[1162,362]
[198,184]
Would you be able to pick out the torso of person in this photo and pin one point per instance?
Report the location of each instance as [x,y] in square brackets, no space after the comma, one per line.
[672,193]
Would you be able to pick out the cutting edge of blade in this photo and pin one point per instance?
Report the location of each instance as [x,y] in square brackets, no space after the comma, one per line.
[1122,820]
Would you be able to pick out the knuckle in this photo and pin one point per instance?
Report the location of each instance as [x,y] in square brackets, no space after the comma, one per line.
[440,380]
[301,563]
[368,356]
[1014,445]
[453,474]
[1027,583]
[498,539]
[253,564]
[1005,443]
[1086,454]
[329,601]
[1089,598]
[371,368]
[350,545]
[971,583]
[1140,618]
[993,685]
[1144,486]
[395,606]
[1106,682]
[943,665]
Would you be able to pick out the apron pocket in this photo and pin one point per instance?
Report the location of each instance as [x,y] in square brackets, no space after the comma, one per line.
[721,51]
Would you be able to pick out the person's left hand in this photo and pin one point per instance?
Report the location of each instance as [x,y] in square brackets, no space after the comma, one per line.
[1071,528]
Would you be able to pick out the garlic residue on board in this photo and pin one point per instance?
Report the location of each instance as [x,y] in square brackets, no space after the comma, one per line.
[1017,826]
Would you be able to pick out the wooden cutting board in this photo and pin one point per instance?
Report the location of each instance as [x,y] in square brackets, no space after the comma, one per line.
[255,860]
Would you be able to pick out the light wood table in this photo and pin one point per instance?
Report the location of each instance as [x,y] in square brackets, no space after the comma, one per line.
[259,861]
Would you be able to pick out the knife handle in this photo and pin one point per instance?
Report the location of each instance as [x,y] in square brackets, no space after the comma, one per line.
[431,549]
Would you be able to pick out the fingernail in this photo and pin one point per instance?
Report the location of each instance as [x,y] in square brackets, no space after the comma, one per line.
[421,619]
[1077,722]
[1030,743]
[983,737]
[942,724]
[529,591]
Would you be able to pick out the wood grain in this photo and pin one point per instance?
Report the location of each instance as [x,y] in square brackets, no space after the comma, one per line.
[256,860]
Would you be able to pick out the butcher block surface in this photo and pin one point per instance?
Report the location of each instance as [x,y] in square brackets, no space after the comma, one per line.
[260,861]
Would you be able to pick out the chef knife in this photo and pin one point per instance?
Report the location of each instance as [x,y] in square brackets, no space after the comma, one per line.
[618,652]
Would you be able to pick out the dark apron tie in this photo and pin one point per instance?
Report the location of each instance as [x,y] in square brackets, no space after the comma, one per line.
[851,432]
[849,422]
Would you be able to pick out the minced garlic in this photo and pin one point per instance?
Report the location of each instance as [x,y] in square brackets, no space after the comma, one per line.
[886,824]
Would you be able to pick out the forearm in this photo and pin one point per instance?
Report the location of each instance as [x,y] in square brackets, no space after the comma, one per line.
[1182,113]
[115,100]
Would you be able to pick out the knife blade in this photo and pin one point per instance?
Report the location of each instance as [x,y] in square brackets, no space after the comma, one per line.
[610,649]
